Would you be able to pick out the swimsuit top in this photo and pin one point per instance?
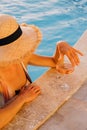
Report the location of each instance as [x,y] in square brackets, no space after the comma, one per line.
[4,96]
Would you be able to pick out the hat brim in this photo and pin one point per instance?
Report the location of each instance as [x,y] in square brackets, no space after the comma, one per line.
[25,44]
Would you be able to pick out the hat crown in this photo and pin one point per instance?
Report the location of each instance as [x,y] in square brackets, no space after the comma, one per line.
[8,25]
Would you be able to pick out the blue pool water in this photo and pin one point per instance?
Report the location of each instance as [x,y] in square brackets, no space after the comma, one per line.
[57,19]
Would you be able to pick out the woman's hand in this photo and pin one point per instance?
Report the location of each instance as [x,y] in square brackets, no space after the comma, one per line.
[62,49]
[65,68]
[30,93]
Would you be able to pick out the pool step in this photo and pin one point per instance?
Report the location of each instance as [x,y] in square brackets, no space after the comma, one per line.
[56,90]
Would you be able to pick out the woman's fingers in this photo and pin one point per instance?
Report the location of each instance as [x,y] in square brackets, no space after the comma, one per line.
[34,88]
[30,93]
[71,58]
[79,52]
[62,71]
[65,69]
[64,49]
[76,58]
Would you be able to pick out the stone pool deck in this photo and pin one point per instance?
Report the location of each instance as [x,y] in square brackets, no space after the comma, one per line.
[57,89]
[72,115]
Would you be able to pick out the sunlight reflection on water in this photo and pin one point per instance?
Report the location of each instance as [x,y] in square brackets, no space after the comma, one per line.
[58,20]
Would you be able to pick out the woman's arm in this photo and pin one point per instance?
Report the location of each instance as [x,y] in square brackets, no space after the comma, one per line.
[38,60]
[62,49]
[57,60]
[9,111]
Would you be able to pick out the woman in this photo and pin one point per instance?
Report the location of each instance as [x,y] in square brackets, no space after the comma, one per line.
[17,44]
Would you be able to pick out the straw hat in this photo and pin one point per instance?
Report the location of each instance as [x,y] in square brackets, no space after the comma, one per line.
[16,41]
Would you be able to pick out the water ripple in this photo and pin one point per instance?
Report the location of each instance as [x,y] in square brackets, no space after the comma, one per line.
[58,19]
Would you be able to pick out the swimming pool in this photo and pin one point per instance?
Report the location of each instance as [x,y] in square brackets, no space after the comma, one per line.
[57,19]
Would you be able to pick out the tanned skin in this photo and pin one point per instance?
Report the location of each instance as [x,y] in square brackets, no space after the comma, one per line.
[29,93]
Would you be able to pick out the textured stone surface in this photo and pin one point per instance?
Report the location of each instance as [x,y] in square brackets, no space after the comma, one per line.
[56,89]
[72,115]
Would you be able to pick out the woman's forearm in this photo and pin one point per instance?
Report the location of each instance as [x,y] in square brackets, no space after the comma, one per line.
[42,61]
[9,111]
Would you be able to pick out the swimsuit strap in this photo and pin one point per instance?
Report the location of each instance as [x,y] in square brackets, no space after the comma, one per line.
[26,72]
